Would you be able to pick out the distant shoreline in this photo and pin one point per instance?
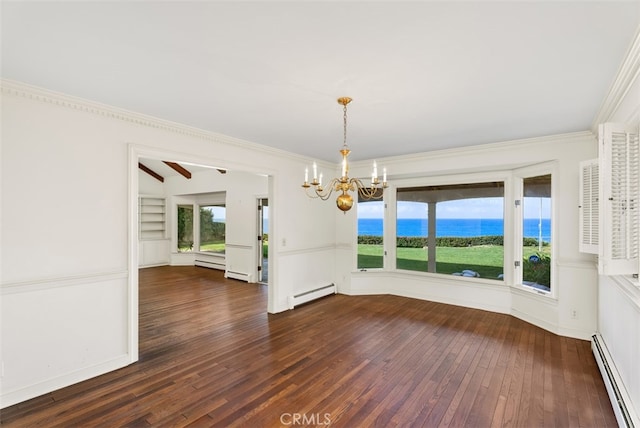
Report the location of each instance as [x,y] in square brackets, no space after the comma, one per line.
[458,228]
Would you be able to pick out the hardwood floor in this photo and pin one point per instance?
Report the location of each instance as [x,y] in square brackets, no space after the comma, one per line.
[211,356]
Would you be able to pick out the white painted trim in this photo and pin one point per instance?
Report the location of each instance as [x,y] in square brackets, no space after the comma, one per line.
[240,246]
[306,250]
[531,293]
[17,396]
[488,286]
[450,300]
[619,402]
[57,282]
[20,89]
[132,257]
[625,77]
[470,151]
[629,289]
[539,322]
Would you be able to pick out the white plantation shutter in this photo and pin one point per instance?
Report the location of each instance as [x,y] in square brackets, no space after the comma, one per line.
[619,193]
[589,206]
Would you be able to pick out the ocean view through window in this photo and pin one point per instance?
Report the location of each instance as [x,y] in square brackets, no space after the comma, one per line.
[536,213]
[370,245]
[455,229]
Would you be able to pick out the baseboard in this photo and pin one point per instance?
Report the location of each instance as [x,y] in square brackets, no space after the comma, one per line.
[620,400]
[210,264]
[32,391]
[240,276]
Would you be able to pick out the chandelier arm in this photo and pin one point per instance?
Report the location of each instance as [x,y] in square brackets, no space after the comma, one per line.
[367,192]
[322,193]
[325,194]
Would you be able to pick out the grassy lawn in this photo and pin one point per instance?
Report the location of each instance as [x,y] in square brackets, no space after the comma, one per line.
[487,260]
[213,247]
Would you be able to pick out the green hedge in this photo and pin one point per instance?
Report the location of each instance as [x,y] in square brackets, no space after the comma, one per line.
[446,241]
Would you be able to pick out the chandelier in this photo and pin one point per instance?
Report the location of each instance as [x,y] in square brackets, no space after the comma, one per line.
[345,184]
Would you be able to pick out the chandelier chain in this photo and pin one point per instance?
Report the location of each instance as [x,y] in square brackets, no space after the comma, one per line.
[344,109]
[343,184]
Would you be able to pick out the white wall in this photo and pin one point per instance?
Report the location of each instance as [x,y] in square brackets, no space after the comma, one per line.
[242,190]
[69,231]
[619,297]
[575,274]
[148,185]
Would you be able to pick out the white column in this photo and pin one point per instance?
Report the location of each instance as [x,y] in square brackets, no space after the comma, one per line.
[431,239]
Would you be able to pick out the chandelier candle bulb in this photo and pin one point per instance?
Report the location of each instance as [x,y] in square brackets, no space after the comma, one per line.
[315,171]
[306,175]
[384,175]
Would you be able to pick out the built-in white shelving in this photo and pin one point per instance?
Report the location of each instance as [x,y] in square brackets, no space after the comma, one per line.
[152,217]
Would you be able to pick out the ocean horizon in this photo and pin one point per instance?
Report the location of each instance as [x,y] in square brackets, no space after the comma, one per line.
[451,227]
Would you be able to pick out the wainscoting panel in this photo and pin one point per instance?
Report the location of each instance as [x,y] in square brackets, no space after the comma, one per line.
[619,327]
[60,331]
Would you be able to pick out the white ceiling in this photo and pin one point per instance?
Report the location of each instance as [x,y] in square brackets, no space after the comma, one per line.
[423,75]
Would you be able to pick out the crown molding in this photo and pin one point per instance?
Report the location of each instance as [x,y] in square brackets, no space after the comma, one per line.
[626,76]
[575,137]
[35,93]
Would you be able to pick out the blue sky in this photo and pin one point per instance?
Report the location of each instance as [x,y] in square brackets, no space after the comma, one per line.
[463,208]
[219,213]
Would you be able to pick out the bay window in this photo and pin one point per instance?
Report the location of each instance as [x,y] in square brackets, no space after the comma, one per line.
[455,229]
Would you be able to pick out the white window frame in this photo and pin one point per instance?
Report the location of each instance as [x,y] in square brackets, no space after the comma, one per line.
[444,180]
[519,175]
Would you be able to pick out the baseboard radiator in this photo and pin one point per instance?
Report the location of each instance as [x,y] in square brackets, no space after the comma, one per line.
[242,276]
[618,395]
[220,265]
[310,295]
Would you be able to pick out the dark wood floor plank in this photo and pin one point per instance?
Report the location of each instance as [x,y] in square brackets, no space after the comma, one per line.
[211,356]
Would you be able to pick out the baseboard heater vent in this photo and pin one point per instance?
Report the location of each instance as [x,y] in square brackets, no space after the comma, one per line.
[211,264]
[615,388]
[310,295]
[237,275]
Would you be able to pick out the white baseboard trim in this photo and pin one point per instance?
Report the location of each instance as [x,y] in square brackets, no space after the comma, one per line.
[31,391]
[620,399]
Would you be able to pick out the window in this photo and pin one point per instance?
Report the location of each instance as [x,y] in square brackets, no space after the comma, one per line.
[452,229]
[536,232]
[185,228]
[212,228]
[370,234]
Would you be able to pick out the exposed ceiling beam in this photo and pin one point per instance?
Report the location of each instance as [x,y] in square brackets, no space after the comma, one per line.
[151,172]
[182,171]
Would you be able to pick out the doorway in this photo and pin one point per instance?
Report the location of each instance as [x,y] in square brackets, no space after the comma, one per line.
[263,240]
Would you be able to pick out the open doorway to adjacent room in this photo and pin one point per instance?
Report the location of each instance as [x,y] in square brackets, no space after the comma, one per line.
[263,238]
